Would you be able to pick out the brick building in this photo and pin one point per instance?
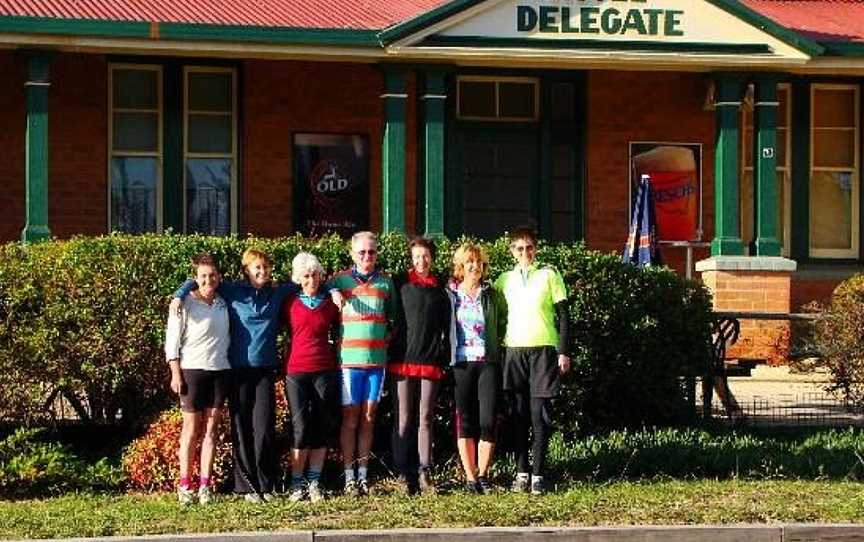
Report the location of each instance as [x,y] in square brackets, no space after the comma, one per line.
[274,116]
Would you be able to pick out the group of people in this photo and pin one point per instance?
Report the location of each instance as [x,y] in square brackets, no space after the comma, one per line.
[347,335]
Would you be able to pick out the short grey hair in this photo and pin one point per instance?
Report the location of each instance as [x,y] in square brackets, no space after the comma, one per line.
[360,235]
[303,262]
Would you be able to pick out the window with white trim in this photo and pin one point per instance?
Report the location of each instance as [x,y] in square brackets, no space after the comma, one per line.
[210,150]
[489,98]
[135,148]
[784,168]
[834,171]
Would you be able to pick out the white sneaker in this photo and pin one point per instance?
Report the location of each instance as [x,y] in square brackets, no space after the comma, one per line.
[297,493]
[253,498]
[270,497]
[315,493]
[351,489]
[185,496]
[205,495]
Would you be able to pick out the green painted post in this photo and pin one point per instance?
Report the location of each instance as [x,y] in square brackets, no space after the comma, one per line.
[36,148]
[393,151]
[727,240]
[434,102]
[765,168]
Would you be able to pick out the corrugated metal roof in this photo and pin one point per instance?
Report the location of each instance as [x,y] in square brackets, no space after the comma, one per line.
[820,20]
[337,14]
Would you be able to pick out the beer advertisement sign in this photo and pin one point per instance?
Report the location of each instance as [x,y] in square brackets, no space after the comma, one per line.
[675,171]
[331,183]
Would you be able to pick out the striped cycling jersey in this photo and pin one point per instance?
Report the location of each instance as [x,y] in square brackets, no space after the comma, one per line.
[370,307]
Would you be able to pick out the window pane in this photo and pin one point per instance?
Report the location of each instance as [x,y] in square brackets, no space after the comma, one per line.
[834,107]
[210,91]
[782,136]
[833,148]
[136,132]
[133,194]
[210,133]
[136,89]
[783,99]
[562,102]
[477,99]
[831,210]
[516,100]
[208,196]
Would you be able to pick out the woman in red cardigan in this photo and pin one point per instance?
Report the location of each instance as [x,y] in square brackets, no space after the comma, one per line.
[312,376]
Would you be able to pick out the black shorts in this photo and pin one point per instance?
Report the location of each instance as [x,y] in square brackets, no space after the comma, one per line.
[203,389]
[532,369]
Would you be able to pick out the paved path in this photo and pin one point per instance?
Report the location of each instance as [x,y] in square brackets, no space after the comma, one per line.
[732,533]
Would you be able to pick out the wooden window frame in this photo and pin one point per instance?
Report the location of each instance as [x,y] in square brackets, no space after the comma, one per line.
[535,81]
[158,154]
[853,251]
[232,156]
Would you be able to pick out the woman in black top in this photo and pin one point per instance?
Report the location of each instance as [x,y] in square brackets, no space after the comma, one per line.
[417,357]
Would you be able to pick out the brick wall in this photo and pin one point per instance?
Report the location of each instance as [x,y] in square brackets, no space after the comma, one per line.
[12,142]
[78,143]
[281,98]
[759,292]
[641,106]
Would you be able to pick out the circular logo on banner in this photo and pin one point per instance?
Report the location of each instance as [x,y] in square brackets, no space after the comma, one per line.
[328,180]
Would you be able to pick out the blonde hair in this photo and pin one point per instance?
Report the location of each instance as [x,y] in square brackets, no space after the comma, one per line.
[253,254]
[303,262]
[466,252]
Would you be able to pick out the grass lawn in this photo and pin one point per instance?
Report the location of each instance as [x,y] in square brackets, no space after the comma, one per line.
[619,503]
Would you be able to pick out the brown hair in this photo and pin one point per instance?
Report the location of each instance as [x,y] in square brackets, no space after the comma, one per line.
[204,258]
[465,252]
[523,233]
[252,254]
[422,242]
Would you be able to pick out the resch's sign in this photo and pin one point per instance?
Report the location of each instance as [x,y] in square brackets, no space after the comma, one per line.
[611,18]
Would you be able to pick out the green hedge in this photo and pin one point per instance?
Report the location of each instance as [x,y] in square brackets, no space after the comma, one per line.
[84,319]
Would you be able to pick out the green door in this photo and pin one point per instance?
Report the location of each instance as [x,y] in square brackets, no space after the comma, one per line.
[494,181]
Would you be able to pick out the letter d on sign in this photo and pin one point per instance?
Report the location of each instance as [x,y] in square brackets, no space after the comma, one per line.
[526,18]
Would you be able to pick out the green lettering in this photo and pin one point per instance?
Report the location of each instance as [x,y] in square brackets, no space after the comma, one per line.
[588,20]
[611,21]
[653,20]
[548,23]
[565,22]
[634,21]
[670,28]
[526,18]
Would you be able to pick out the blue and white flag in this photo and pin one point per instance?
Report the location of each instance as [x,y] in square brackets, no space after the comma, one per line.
[641,248]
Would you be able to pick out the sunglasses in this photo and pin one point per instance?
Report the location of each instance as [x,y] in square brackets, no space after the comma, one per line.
[370,252]
[524,248]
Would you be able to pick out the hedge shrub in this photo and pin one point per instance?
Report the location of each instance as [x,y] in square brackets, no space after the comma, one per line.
[84,319]
[838,339]
[31,464]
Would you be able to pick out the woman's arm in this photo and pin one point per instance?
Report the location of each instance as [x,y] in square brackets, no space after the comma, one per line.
[174,336]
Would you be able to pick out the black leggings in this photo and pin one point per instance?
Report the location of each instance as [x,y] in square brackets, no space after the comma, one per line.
[536,413]
[476,394]
[315,408]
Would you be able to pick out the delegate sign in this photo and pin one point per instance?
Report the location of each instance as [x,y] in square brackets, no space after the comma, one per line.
[641,21]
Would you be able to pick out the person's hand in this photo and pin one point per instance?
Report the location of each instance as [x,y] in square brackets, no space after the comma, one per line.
[176,382]
[176,306]
[338,298]
[563,363]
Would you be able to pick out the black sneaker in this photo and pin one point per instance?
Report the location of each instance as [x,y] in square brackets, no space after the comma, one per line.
[424,482]
[484,485]
[471,486]
[362,487]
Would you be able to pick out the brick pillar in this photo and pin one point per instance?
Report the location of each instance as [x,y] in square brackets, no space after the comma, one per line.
[753,284]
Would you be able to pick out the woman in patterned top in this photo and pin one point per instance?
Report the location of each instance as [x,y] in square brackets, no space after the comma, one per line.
[477,324]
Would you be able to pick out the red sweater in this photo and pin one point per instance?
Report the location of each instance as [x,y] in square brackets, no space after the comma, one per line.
[310,350]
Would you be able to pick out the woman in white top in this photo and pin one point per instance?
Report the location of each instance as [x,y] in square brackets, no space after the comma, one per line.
[196,346]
